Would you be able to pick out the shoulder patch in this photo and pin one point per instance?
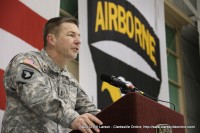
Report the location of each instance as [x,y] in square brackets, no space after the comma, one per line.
[29,62]
[27,73]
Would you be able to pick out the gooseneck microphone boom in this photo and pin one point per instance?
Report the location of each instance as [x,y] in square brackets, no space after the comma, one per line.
[124,88]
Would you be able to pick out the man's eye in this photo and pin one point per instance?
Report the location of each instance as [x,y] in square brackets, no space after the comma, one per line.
[72,35]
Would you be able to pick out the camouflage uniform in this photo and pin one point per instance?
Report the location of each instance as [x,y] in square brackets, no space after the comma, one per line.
[41,98]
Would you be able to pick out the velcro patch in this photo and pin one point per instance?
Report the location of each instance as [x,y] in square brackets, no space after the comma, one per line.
[29,62]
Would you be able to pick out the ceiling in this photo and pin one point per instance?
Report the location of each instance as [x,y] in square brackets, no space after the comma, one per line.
[190,32]
[181,5]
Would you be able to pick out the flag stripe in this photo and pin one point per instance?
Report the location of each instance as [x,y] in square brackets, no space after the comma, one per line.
[2,92]
[8,49]
[21,21]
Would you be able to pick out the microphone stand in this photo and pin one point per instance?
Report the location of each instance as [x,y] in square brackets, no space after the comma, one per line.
[127,90]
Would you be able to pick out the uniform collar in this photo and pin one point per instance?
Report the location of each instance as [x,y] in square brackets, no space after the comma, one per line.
[52,65]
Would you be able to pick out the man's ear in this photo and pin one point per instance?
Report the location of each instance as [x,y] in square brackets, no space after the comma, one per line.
[51,39]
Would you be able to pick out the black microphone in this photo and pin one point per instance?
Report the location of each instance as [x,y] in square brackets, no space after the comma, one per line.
[124,89]
[116,82]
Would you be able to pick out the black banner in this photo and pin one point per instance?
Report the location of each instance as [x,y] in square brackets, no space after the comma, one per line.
[120,22]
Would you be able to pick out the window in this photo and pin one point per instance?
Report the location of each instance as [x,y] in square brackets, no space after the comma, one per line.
[69,7]
[173,63]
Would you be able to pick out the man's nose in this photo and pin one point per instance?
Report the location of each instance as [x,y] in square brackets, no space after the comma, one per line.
[78,40]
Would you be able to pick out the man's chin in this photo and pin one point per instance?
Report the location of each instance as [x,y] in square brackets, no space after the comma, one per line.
[75,57]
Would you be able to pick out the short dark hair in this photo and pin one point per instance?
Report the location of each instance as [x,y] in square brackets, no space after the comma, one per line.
[53,23]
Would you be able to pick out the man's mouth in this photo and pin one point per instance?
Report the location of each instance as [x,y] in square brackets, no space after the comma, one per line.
[76,49]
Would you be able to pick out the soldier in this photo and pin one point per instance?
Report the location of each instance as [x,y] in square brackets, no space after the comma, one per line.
[42,96]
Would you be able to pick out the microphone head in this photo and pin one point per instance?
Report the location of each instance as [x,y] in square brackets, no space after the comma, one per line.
[117,83]
[106,77]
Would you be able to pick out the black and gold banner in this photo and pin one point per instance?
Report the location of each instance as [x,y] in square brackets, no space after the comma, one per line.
[122,43]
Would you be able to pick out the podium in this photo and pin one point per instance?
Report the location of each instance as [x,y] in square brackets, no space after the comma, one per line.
[135,113]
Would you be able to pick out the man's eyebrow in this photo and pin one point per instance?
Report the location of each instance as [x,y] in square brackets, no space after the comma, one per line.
[74,32]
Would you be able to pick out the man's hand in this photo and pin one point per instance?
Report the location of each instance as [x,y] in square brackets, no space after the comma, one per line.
[85,123]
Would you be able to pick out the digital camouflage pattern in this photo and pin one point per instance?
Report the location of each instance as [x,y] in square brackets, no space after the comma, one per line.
[41,98]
